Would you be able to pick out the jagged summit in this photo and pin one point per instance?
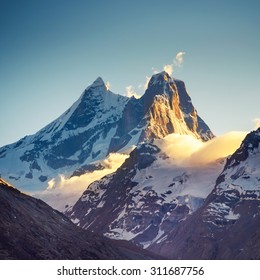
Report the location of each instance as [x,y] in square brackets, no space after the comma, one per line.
[98,123]
[99,82]
[98,87]
[160,78]
[163,84]
[167,100]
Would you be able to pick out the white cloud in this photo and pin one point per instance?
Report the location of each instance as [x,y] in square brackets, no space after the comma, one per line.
[219,147]
[168,68]
[130,92]
[107,85]
[179,147]
[187,150]
[256,122]
[155,71]
[183,150]
[147,80]
[63,191]
[179,59]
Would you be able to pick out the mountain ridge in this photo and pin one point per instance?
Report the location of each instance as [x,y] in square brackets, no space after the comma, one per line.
[30,229]
[158,207]
[98,123]
[149,194]
[227,225]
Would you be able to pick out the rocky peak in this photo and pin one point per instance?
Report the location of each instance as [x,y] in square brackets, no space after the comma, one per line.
[163,84]
[249,145]
[98,123]
[99,82]
[96,90]
[169,109]
[160,78]
[159,84]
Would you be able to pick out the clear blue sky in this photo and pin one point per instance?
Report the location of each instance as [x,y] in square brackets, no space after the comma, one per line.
[51,50]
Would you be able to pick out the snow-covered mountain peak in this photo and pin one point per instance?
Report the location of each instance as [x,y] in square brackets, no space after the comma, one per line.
[99,82]
[241,173]
[98,87]
[161,78]
[98,123]
[163,84]
[169,109]
[250,146]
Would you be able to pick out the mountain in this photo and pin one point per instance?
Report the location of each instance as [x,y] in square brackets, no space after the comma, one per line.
[227,226]
[149,195]
[82,134]
[98,123]
[208,211]
[164,108]
[30,229]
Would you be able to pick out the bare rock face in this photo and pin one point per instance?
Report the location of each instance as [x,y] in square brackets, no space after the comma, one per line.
[93,209]
[171,110]
[30,229]
[227,226]
[167,209]
[165,108]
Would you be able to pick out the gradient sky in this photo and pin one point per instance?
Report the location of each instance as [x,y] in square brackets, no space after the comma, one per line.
[51,50]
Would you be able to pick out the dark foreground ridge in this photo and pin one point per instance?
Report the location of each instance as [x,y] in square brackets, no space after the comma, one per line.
[30,229]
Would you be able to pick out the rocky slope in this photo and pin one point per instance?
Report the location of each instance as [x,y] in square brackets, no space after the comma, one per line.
[145,198]
[81,135]
[30,229]
[98,123]
[165,108]
[227,226]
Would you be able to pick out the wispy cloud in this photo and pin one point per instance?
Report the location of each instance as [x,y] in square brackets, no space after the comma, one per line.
[147,80]
[145,85]
[63,191]
[131,92]
[107,85]
[155,71]
[187,150]
[178,61]
[219,147]
[168,68]
[256,122]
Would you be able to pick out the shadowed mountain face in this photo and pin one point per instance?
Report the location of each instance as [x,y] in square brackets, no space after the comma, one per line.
[165,108]
[145,198]
[98,123]
[30,229]
[227,226]
[179,212]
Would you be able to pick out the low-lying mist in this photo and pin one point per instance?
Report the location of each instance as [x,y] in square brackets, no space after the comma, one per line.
[183,150]
[187,150]
[63,192]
